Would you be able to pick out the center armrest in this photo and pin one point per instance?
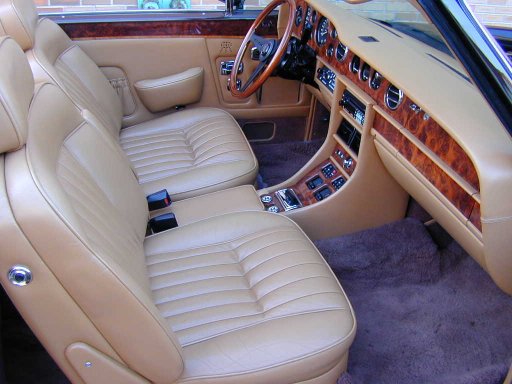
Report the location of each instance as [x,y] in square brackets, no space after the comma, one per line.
[238,199]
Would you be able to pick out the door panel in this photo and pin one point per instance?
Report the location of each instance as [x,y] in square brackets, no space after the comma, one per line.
[154,49]
[279,97]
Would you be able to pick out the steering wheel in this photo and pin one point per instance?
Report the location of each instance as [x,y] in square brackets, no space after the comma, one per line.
[271,52]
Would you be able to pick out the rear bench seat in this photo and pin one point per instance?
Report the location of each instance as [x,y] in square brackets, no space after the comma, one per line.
[236,298]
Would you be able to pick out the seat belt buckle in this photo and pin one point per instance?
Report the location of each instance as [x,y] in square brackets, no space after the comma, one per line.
[163,222]
[159,200]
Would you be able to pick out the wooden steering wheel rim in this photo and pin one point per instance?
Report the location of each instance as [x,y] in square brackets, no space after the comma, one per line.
[274,62]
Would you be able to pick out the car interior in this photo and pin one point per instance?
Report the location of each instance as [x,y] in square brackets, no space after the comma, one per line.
[144,237]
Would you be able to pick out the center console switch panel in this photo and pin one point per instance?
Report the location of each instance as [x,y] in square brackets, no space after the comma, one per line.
[314,183]
[288,199]
[322,193]
[329,171]
[338,183]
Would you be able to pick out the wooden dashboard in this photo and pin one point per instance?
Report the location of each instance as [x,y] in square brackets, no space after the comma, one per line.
[411,131]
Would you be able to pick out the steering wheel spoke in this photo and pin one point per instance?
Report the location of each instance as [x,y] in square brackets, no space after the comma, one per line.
[258,41]
[271,51]
[254,75]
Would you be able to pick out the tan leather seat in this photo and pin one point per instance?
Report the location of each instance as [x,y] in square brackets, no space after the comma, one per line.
[190,153]
[188,161]
[237,298]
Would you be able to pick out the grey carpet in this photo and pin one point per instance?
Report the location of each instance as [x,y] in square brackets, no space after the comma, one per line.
[280,161]
[424,315]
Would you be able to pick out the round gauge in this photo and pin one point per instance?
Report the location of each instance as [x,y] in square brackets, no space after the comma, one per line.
[298,16]
[308,14]
[322,31]
[341,52]
[330,51]
[365,72]
[334,33]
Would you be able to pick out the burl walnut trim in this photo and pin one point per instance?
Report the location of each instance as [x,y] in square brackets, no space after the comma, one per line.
[462,200]
[424,127]
[305,194]
[168,28]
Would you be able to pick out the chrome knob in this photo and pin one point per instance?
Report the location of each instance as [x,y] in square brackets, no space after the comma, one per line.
[19,275]
[266,199]
[347,163]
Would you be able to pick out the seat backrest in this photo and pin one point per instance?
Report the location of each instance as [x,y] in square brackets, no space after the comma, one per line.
[75,198]
[55,58]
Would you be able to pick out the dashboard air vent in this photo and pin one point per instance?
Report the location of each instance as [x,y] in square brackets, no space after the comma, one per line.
[376,80]
[355,64]
[393,97]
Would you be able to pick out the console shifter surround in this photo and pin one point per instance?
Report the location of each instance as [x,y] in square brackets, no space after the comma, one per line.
[288,198]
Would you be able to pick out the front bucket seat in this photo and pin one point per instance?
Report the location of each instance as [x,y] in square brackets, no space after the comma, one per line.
[189,153]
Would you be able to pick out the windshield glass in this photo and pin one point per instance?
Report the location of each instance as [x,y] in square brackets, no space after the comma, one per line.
[401,16]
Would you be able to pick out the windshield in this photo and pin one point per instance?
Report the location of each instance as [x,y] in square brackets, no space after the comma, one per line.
[401,16]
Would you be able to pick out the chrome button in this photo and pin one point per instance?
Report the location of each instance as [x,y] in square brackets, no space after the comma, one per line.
[19,275]
[266,199]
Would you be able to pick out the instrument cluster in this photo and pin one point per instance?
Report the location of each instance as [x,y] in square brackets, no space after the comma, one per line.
[321,35]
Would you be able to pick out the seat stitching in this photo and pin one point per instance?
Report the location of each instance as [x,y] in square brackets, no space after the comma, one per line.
[234,263]
[149,153]
[293,282]
[196,281]
[142,135]
[163,173]
[198,129]
[265,247]
[273,258]
[163,301]
[168,285]
[266,232]
[224,152]
[196,147]
[206,308]
[162,145]
[195,136]
[242,270]
[183,257]
[262,313]
[252,324]
[161,138]
[282,270]
[141,166]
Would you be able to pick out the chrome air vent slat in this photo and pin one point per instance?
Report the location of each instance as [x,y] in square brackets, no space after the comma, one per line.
[393,97]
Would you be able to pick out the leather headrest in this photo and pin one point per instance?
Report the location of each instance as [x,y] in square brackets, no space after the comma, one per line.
[18,19]
[16,91]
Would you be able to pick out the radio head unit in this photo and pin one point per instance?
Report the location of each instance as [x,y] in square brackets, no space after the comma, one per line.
[353,106]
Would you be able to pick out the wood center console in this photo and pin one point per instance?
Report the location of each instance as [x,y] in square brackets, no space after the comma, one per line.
[318,184]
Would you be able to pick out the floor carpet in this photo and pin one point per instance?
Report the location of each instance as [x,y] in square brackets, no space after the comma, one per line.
[424,315]
[278,162]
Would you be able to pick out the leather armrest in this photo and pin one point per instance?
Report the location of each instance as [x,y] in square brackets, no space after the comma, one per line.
[164,93]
